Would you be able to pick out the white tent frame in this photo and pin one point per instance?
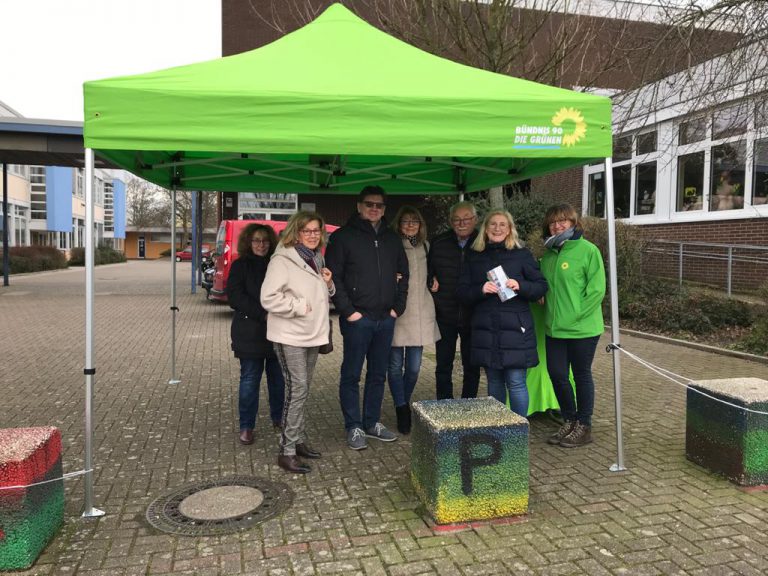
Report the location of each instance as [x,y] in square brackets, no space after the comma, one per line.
[90,371]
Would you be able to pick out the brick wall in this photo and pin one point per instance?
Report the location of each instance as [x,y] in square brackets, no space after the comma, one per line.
[560,187]
[709,265]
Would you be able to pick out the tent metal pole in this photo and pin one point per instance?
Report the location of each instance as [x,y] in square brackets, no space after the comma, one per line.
[614,288]
[174,308]
[90,372]
[195,248]
[200,234]
[6,260]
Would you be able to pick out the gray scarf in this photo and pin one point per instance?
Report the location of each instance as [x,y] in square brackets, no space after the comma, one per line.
[556,241]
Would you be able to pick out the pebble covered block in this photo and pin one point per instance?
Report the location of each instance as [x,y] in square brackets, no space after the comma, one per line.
[29,516]
[726,439]
[469,459]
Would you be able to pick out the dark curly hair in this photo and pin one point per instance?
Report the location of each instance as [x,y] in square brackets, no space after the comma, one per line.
[244,240]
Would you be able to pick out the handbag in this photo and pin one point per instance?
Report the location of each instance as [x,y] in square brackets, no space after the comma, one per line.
[327,348]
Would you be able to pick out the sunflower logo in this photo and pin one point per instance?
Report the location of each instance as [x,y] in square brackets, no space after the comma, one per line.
[580,127]
[565,265]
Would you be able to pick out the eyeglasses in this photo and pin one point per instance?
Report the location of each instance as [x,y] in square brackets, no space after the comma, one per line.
[311,232]
[560,221]
[462,221]
[260,241]
[377,205]
[409,222]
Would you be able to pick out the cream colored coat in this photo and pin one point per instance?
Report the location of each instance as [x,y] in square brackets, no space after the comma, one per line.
[289,285]
[417,325]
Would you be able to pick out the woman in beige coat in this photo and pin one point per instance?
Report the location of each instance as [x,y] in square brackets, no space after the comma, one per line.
[417,326]
[295,295]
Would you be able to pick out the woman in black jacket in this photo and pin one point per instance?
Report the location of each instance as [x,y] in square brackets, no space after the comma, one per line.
[255,245]
[499,280]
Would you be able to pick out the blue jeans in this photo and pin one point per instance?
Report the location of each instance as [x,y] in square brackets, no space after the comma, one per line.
[250,380]
[576,354]
[404,366]
[512,381]
[364,340]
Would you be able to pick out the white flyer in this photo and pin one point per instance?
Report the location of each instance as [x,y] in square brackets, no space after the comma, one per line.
[499,277]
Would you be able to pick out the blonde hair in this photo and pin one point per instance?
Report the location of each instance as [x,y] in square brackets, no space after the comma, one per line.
[421,236]
[512,240]
[296,223]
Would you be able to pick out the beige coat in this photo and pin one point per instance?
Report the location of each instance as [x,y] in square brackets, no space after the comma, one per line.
[289,285]
[417,325]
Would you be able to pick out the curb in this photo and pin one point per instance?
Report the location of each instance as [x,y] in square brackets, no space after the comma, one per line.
[696,346]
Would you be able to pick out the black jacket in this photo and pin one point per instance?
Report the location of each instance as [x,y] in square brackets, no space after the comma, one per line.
[249,322]
[502,332]
[444,262]
[365,264]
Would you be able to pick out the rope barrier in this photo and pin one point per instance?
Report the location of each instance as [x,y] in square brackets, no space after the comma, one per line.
[669,375]
[63,477]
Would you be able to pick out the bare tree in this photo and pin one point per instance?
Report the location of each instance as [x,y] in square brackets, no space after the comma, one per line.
[183,218]
[143,199]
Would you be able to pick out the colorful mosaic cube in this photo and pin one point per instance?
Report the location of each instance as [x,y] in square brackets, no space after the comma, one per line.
[469,459]
[727,439]
[29,516]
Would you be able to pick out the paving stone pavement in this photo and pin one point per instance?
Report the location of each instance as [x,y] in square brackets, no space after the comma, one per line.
[356,513]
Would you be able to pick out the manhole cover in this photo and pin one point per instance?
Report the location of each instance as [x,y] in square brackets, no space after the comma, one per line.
[219,506]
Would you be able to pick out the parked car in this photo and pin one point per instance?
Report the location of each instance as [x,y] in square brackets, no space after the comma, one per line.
[226,251]
[186,254]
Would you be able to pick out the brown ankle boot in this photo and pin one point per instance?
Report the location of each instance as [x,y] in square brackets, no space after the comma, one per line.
[292,464]
[564,430]
[579,436]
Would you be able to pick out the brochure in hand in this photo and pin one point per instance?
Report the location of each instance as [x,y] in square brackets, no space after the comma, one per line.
[499,277]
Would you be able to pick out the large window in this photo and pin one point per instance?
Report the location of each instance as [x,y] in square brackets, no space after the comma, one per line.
[37,192]
[693,130]
[690,181]
[760,176]
[109,207]
[634,177]
[645,188]
[727,176]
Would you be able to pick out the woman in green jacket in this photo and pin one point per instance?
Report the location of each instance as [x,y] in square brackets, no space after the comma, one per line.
[574,270]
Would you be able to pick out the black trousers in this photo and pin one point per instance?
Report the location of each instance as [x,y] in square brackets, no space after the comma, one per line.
[446,352]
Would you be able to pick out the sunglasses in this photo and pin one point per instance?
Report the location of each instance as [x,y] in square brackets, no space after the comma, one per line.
[377,205]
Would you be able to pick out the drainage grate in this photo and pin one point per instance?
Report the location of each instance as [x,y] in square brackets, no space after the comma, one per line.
[219,506]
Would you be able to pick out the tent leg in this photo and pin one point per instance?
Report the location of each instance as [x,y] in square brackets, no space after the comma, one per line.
[174,308]
[6,262]
[88,510]
[613,280]
[195,249]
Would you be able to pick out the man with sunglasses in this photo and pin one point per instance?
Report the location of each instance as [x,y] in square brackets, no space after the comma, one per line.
[370,270]
[446,259]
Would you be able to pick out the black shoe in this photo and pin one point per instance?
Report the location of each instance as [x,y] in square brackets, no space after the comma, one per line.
[306,452]
[246,436]
[403,418]
[292,464]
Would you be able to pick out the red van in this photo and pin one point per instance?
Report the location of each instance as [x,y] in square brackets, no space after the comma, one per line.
[226,251]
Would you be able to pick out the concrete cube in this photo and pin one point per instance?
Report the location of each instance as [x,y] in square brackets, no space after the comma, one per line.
[725,438]
[469,459]
[30,515]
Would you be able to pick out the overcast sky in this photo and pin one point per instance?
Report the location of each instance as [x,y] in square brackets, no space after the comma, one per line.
[48,48]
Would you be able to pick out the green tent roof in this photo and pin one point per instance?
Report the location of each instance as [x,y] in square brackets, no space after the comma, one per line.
[334,106]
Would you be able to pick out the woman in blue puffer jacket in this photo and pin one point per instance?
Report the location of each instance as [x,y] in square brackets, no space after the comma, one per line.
[503,337]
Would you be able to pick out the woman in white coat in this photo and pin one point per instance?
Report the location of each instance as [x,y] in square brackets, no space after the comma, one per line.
[417,326]
[295,295]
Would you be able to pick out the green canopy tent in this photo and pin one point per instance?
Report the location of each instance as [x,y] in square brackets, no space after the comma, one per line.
[332,107]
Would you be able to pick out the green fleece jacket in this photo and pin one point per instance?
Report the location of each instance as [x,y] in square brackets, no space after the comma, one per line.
[576,278]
